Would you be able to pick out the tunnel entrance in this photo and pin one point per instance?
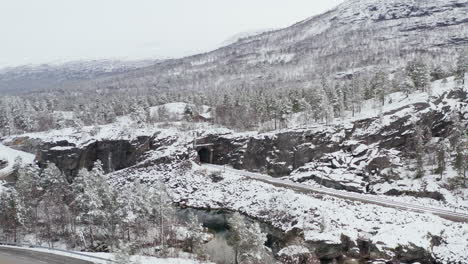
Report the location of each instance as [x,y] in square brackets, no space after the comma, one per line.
[205,155]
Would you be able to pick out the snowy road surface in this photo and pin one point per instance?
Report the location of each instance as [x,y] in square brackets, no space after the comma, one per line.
[23,256]
[447,214]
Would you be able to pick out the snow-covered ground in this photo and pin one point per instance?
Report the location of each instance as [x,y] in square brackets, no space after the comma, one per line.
[456,200]
[9,156]
[323,218]
[123,129]
[176,111]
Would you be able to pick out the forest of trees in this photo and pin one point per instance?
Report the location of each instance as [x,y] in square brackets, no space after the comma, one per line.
[89,213]
[235,107]
[434,156]
[43,207]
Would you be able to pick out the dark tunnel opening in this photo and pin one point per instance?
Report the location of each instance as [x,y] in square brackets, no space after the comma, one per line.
[205,155]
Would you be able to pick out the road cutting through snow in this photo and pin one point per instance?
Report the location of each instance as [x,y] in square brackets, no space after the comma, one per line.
[446,214]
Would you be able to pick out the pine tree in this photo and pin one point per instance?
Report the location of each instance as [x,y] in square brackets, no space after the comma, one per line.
[308,112]
[94,200]
[438,73]
[458,142]
[139,113]
[461,158]
[13,213]
[6,120]
[295,102]
[419,151]
[462,67]
[247,240]
[29,190]
[407,86]
[417,71]
[194,239]
[356,96]
[340,104]
[123,254]
[284,110]
[441,159]
[17,164]
[188,113]
[325,109]
[379,86]
[163,212]
[56,192]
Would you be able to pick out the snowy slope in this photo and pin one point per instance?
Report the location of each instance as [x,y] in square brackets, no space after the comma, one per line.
[10,155]
[396,102]
[237,37]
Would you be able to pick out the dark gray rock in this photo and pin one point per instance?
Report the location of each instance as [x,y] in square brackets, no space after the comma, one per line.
[278,155]
[114,154]
[3,164]
[423,194]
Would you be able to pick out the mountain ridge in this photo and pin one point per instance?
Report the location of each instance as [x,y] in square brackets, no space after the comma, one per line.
[355,34]
[338,40]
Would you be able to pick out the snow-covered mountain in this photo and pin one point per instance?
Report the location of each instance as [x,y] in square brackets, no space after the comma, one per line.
[55,75]
[357,34]
[233,39]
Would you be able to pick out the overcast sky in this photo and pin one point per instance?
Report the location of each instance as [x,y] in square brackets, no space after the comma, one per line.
[41,31]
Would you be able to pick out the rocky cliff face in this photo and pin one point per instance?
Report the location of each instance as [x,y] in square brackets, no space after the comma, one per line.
[69,157]
[351,156]
[114,154]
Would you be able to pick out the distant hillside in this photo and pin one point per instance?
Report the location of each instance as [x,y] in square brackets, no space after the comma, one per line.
[27,78]
[356,35]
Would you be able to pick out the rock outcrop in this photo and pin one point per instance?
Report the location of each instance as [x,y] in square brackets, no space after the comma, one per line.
[114,154]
